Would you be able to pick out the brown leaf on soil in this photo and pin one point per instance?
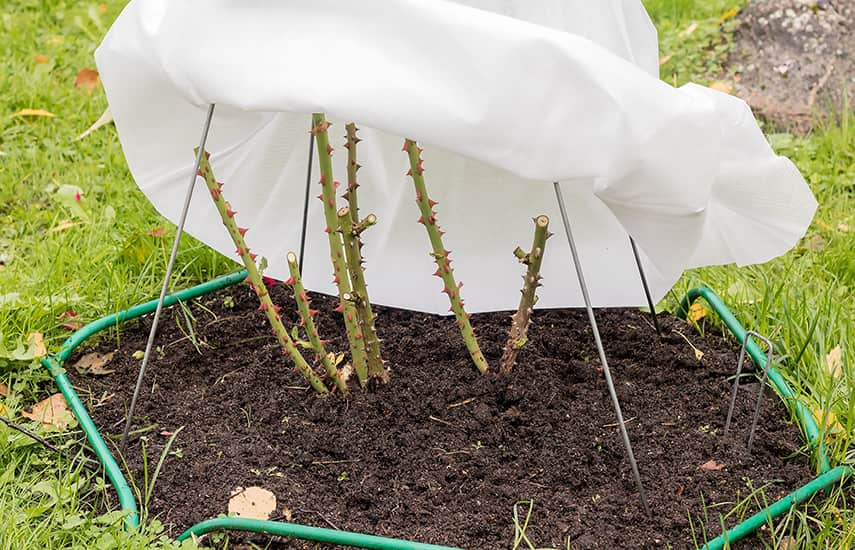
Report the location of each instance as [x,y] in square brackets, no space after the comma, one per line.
[4,390]
[712,466]
[252,502]
[87,80]
[93,363]
[52,411]
[37,340]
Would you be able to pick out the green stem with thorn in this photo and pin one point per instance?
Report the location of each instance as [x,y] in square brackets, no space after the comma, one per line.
[307,315]
[441,256]
[270,310]
[517,336]
[355,337]
[352,245]
[352,167]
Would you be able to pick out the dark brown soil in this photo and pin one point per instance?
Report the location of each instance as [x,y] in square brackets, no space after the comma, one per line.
[442,454]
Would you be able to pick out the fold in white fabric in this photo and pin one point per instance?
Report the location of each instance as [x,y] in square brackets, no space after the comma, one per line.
[506,96]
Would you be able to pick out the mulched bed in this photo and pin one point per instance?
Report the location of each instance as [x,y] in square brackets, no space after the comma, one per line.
[442,454]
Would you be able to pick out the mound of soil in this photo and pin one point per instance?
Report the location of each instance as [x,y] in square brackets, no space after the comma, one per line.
[795,56]
[442,454]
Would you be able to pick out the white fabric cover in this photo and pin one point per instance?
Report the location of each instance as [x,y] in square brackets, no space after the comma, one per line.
[503,101]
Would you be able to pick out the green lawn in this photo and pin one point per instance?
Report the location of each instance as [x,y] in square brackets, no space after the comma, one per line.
[114,255]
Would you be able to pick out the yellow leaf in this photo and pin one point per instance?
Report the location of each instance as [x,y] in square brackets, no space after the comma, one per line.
[689,30]
[3,409]
[63,226]
[827,422]
[102,9]
[34,112]
[53,411]
[138,355]
[824,225]
[697,312]
[834,362]
[56,41]
[722,86]
[787,543]
[728,15]
[37,340]
[39,58]
[665,59]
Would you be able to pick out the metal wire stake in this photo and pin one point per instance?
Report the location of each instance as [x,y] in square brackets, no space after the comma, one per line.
[88,463]
[578,265]
[646,287]
[749,334]
[129,420]
[306,199]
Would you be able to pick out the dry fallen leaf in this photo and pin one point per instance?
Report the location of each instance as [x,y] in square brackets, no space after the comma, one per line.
[697,312]
[787,543]
[689,30]
[93,363]
[722,86]
[87,80]
[287,515]
[4,390]
[252,502]
[712,466]
[39,58]
[37,340]
[728,15]
[102,9]
[665,59]
[834,362]
[34,112]
[105,118]
[52,411]
[63,226]
[843,227]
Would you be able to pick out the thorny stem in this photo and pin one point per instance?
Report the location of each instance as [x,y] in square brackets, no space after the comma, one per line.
[340,277]
[441,256]
[248,258]
[522,318]
[352,167]
[352,245]
[307,315]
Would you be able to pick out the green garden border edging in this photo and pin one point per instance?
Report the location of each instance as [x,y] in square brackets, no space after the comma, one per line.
[54,363]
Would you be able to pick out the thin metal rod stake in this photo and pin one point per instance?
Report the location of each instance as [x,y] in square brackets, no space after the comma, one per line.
[88,463]
[306,199]
[646,287]
[169,266]
[749,334]
[578,265]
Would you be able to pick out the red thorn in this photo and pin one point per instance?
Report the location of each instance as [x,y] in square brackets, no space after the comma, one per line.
[336,280]
[421,219]
[277,309]
[349,316]
[215,194]
[330,202]
[339,308]
[323,180]
[406,146]
[207,155]
[242,231]
[441,232]
[418,195]
[290,281]
[410,172]
[239,251]
[329,149]
[327,229]
[229,212]
[253,256]
[304,296]
[199,173]
[336,184]
[312,313]
[321,197]
[315,333]
[358,336]
[432,203]
[437,273]
[263,306]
